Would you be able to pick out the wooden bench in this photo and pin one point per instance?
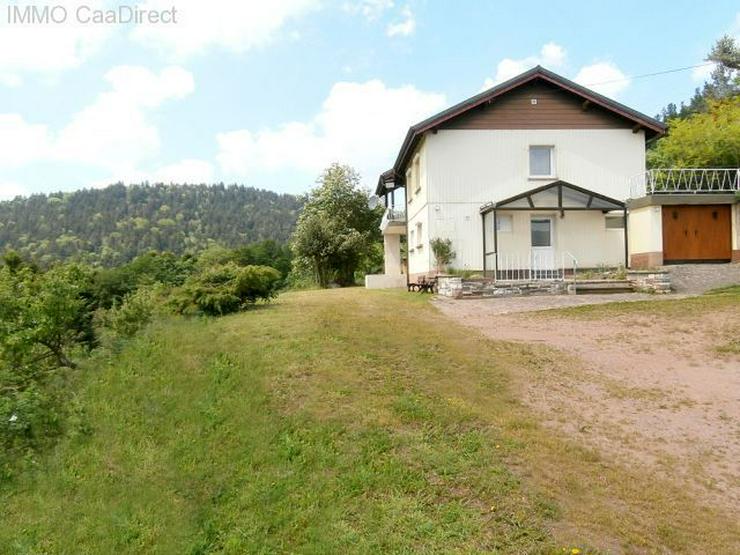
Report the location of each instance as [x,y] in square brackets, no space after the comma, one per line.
[424,285]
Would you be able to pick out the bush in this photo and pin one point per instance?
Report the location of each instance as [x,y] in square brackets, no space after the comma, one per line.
[133,313]
[225,289]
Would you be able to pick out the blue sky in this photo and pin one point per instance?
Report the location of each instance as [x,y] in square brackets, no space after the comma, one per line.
[268,93]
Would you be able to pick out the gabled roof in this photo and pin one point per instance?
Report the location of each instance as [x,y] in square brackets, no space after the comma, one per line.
[652,126]
[558,195]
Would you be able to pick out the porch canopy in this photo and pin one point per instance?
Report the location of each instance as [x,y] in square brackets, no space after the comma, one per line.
[557,196]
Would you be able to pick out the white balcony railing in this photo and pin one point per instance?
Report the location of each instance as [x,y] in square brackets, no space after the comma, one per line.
[395,215]
[685,181]
[392,217]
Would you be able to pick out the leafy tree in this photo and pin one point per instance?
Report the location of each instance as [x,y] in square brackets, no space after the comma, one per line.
[44,319]
[705,139]
[724,81]
[443,253]
[336,230]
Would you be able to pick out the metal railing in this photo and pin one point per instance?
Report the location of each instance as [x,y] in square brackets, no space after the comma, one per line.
[685,180]
[392,216]
[395,215]
[535,266]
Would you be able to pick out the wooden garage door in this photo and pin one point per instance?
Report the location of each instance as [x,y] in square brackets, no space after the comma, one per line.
[696,233]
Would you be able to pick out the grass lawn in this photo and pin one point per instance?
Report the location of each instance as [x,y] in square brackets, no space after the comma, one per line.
[331,421]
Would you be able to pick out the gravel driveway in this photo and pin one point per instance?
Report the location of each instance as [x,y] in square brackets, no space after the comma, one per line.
[650,387]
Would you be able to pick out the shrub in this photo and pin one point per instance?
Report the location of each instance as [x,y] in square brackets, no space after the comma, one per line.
[226,288]
[443,253]
[133,313]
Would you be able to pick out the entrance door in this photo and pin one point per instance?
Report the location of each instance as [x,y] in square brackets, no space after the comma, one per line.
[697,233]
[543,251]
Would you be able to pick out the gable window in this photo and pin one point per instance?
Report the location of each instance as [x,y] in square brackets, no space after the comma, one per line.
[541,161]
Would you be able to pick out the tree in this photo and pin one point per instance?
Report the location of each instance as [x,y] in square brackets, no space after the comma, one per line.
[724,81]
[705,139]
[336,230]
[443,253]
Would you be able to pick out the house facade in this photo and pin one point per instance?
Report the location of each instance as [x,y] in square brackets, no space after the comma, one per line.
[529,176]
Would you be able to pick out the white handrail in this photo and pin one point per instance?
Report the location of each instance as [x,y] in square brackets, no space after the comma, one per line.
[573,259]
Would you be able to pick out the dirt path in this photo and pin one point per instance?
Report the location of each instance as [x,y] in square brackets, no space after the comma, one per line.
[643,387]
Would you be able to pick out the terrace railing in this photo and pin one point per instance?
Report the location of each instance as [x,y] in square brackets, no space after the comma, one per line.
[535,266]
[685,181]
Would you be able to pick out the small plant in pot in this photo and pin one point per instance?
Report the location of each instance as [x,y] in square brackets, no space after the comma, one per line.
[443,253]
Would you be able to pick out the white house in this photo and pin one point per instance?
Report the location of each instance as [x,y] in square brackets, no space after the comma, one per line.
[530,175]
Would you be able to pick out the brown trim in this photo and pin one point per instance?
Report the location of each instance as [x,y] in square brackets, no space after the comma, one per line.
[501,205]
[653,127]
[671,199]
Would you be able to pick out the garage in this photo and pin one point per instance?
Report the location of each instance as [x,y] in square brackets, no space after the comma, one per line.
[697,233]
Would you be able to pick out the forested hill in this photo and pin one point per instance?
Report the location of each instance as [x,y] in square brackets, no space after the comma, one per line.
[112,225]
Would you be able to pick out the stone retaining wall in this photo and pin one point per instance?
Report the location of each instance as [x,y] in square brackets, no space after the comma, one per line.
[458,288]
[650,281]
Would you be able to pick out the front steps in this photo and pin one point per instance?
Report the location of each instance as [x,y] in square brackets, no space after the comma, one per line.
[603,286]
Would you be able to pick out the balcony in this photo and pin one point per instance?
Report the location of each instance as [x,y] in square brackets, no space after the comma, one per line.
[393,222]
[685,181]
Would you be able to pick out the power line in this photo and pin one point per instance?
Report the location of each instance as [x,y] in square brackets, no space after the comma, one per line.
[651,74]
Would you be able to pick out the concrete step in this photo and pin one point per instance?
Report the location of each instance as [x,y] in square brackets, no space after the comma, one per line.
[603,286]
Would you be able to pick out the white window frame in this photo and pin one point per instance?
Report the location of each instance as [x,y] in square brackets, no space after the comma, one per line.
[619,217]
[419,235]
[411,240]
[553,171]
[416,173]
[409,186]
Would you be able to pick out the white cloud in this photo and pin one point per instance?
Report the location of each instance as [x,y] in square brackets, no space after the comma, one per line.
[21,142]
[360,124]
[189,170]
[603,77]
[9,190]
[47,49]
[185,171]
[701,73]
[369,9]
[551,55]
[115,131]
[402,28]
[235,26]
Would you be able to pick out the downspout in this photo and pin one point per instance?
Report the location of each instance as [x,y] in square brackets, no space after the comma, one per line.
[626,240]
[408,252]
[483,223]
[495,245]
